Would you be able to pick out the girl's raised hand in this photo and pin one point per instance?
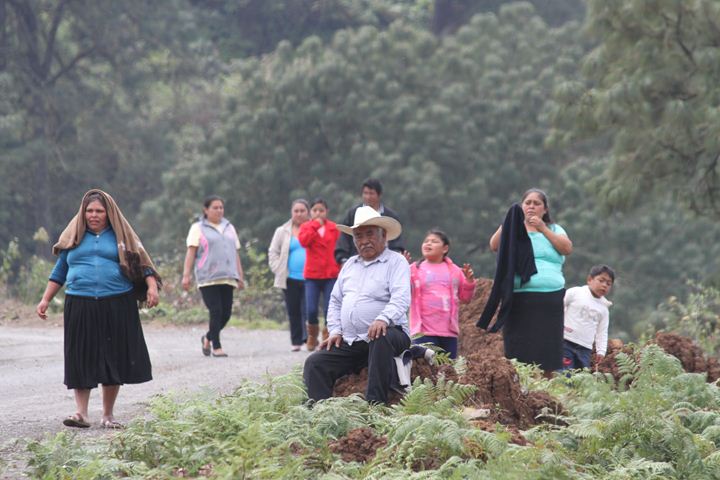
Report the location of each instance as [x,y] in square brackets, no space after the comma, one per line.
[468,271]
[407,256]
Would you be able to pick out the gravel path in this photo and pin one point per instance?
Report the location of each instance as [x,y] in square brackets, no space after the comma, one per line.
[33,400]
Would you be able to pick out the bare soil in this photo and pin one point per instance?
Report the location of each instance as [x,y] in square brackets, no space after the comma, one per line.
[359,445]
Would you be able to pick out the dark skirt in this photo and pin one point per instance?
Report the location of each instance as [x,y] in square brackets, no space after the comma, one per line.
[104,342]
[533,332]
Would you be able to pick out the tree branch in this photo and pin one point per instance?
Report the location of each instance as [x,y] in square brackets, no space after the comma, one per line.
[27,31]
[678,37]
[70,65]
[52,35]
[3,35]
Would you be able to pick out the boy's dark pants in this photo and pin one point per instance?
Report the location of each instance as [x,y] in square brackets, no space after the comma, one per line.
[575,356]
[324,367]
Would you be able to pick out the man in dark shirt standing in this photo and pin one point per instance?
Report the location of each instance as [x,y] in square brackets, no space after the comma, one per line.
[372,197]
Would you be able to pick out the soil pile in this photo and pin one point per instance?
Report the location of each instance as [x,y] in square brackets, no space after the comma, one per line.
[498,385]
[609,362]
[499,390]
[472,339]
[683,348]
[690,355]
[358,445]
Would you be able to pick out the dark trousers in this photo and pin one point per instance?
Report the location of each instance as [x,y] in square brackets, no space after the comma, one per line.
[575,356]
[449,344]
[324,367]
[218,300]
[313,289]
[295,306]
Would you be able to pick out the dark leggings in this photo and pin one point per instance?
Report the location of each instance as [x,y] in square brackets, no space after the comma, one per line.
[449,344]
[295,305]
[218,300]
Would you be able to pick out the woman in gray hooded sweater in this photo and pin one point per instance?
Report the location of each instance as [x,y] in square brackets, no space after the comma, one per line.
[212,247]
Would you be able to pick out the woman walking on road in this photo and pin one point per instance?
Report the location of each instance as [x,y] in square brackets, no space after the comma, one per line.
[212,248]
[287,261]
[105,270]
[319,237]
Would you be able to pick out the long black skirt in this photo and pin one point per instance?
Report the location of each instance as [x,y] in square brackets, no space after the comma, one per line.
[533,332]
[104,342]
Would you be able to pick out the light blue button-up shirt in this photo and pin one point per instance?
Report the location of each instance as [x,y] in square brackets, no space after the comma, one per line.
[369,291]
[92,269]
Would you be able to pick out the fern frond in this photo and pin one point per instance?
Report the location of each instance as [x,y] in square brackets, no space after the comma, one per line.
[460,366]
[642,468]
[440,398]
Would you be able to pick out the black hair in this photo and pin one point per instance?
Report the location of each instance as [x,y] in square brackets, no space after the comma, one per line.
[543,196]
[300,200]
[209,200]
[94,197]
[442,236]
[600,269]
[373,184]
[321,201]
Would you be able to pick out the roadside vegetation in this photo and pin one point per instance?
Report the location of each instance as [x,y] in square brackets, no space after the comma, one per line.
[664,425]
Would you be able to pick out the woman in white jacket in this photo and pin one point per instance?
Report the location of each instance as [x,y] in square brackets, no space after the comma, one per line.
[287,260]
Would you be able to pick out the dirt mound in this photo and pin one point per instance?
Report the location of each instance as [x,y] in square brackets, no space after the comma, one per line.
[358,445]
[690,355]
[683,348]
[609,362]
[499,389]
[472,339]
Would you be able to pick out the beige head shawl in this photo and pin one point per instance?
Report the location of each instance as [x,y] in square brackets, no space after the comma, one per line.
[134,260]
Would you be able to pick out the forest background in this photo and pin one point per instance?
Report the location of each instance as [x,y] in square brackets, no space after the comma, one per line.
[458,106]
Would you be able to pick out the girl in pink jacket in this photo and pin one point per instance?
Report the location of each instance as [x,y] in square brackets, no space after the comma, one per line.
[438,287]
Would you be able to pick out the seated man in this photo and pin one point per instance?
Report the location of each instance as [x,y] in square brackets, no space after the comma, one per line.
[367,314]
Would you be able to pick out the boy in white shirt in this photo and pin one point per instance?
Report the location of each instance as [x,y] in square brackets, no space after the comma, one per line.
[587,318]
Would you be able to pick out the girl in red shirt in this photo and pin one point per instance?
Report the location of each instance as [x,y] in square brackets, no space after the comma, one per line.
[318,236]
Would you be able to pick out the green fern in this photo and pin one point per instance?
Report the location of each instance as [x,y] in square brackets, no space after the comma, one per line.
[460,366]
[441,398]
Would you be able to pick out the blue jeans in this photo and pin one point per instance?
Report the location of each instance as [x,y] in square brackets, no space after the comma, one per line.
[575,356]
[313,288]
[449,344]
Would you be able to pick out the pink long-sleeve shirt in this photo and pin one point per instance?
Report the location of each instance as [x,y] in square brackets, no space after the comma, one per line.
[437,291]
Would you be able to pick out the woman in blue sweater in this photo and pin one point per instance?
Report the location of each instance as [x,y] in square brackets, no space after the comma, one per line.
[106,271]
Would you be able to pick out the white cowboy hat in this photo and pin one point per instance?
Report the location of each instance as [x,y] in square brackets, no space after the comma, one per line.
[368,216]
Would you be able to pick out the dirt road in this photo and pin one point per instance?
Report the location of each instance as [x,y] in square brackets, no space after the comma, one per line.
[33,400]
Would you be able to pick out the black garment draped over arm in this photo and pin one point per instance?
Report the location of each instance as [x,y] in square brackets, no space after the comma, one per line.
[515,257]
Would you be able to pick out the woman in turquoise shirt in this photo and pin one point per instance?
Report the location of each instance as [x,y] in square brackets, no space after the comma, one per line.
[106,271]
[533,332]
[287,260]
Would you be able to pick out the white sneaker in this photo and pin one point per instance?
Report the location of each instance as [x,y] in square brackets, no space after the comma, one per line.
[430,356]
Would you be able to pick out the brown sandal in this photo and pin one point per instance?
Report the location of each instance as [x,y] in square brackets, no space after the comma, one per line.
[76,420]
[113,424]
